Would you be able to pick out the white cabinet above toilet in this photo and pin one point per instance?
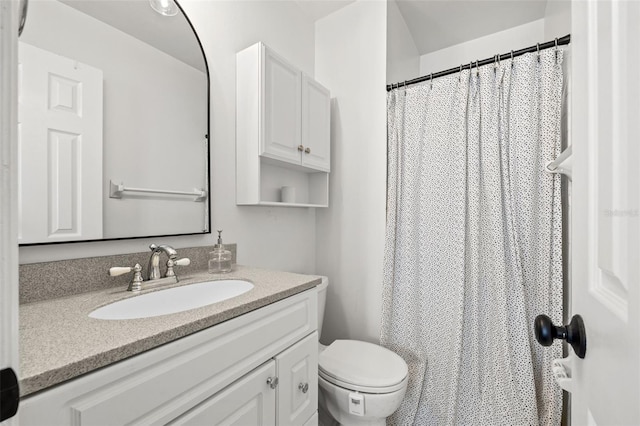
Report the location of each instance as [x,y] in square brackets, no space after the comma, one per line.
[282,131]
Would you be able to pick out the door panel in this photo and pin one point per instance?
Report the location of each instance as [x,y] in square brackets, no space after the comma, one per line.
[248,401]
[316,125]
[606,210]
[60,116]
[298,388]
[281,109]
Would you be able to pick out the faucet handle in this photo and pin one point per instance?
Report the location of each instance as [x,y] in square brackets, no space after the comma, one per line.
[185,261]
[136,282]
[119,270]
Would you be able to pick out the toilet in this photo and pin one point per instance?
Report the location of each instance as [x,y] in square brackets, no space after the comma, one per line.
[360,383]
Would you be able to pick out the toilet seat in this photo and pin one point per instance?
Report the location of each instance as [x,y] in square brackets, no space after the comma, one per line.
[362,366]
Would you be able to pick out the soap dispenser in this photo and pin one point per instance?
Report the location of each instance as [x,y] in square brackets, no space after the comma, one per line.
[219,258]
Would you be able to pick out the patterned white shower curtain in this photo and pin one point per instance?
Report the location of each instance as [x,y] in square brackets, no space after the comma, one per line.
[474,243]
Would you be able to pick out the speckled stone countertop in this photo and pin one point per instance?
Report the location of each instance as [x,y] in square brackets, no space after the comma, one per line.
[58,340]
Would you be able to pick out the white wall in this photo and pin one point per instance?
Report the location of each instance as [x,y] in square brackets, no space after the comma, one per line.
[403,59]
[484,47]
[279,238]
[142,87]
[557,19]
[351,61]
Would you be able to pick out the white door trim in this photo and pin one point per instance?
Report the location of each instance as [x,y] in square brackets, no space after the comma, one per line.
[8,187]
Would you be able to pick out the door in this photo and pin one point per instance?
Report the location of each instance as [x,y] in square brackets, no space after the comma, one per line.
[606,211]
[281,111]
[60,133]
[316,125]
[8,210]
[298,386]
[248,401]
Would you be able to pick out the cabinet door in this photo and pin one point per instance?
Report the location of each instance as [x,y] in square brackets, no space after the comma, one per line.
[248,401]
[313,420]
[298,388]
[316,125]
[282,100]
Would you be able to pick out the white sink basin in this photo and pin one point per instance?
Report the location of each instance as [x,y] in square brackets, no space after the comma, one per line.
[172,300]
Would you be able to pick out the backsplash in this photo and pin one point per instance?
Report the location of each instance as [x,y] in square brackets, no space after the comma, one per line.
[50,280]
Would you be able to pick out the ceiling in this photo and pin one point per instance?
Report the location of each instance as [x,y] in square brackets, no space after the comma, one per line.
[318,9]
[437,24]
[433,24]
[171,34]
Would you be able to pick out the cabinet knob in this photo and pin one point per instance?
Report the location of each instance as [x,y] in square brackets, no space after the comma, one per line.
[301,148]
[307,150]
[272,382]
[304,387]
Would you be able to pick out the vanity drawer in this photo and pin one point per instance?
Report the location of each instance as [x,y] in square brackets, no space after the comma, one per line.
[159,385]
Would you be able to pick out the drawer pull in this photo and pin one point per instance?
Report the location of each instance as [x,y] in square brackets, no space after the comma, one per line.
[272,382]
[304,387]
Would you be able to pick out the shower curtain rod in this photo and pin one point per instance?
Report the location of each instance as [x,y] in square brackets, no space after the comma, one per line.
[557,42]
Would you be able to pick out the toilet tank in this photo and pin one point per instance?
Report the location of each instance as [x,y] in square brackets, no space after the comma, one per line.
[322,298]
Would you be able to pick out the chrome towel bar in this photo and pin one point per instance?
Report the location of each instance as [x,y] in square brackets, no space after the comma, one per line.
[116,191]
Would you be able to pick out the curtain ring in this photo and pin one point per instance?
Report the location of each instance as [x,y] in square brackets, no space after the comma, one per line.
[431,81]
[460,75]
[477,69]
[405,85]
[556,49]
[512,59]
[538,50]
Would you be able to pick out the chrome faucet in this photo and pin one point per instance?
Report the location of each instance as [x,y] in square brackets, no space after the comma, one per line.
[153,272]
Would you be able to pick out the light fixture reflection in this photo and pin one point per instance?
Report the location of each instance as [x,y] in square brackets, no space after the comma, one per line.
[164,7]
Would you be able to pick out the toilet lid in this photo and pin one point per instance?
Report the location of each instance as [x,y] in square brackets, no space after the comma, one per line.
[361,364]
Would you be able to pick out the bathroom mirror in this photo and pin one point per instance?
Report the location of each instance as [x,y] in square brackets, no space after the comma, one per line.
[113,123]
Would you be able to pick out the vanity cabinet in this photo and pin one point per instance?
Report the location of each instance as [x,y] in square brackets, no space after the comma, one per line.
[225,374]
[256,399]
[282,131]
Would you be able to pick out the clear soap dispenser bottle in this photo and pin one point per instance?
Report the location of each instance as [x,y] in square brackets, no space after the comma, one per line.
[219,258]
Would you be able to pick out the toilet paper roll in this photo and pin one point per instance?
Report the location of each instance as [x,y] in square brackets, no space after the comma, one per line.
[288,194]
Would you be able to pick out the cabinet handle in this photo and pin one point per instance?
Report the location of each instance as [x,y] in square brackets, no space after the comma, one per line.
[304,387]
[272,382]
[308,150]
[301,148]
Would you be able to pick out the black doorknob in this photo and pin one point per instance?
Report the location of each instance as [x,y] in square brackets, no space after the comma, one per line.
[574,333]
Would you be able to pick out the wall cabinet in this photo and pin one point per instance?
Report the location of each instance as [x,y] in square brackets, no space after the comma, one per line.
[282,131]
[258,368]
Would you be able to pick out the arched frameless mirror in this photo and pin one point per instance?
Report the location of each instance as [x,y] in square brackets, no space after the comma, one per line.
[113,123]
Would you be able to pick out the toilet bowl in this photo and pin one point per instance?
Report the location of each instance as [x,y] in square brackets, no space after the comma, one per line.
[360,383]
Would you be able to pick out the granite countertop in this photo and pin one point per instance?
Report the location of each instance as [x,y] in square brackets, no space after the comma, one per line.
[58,340]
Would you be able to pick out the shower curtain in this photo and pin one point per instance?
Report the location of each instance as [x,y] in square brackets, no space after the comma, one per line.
[474,243]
